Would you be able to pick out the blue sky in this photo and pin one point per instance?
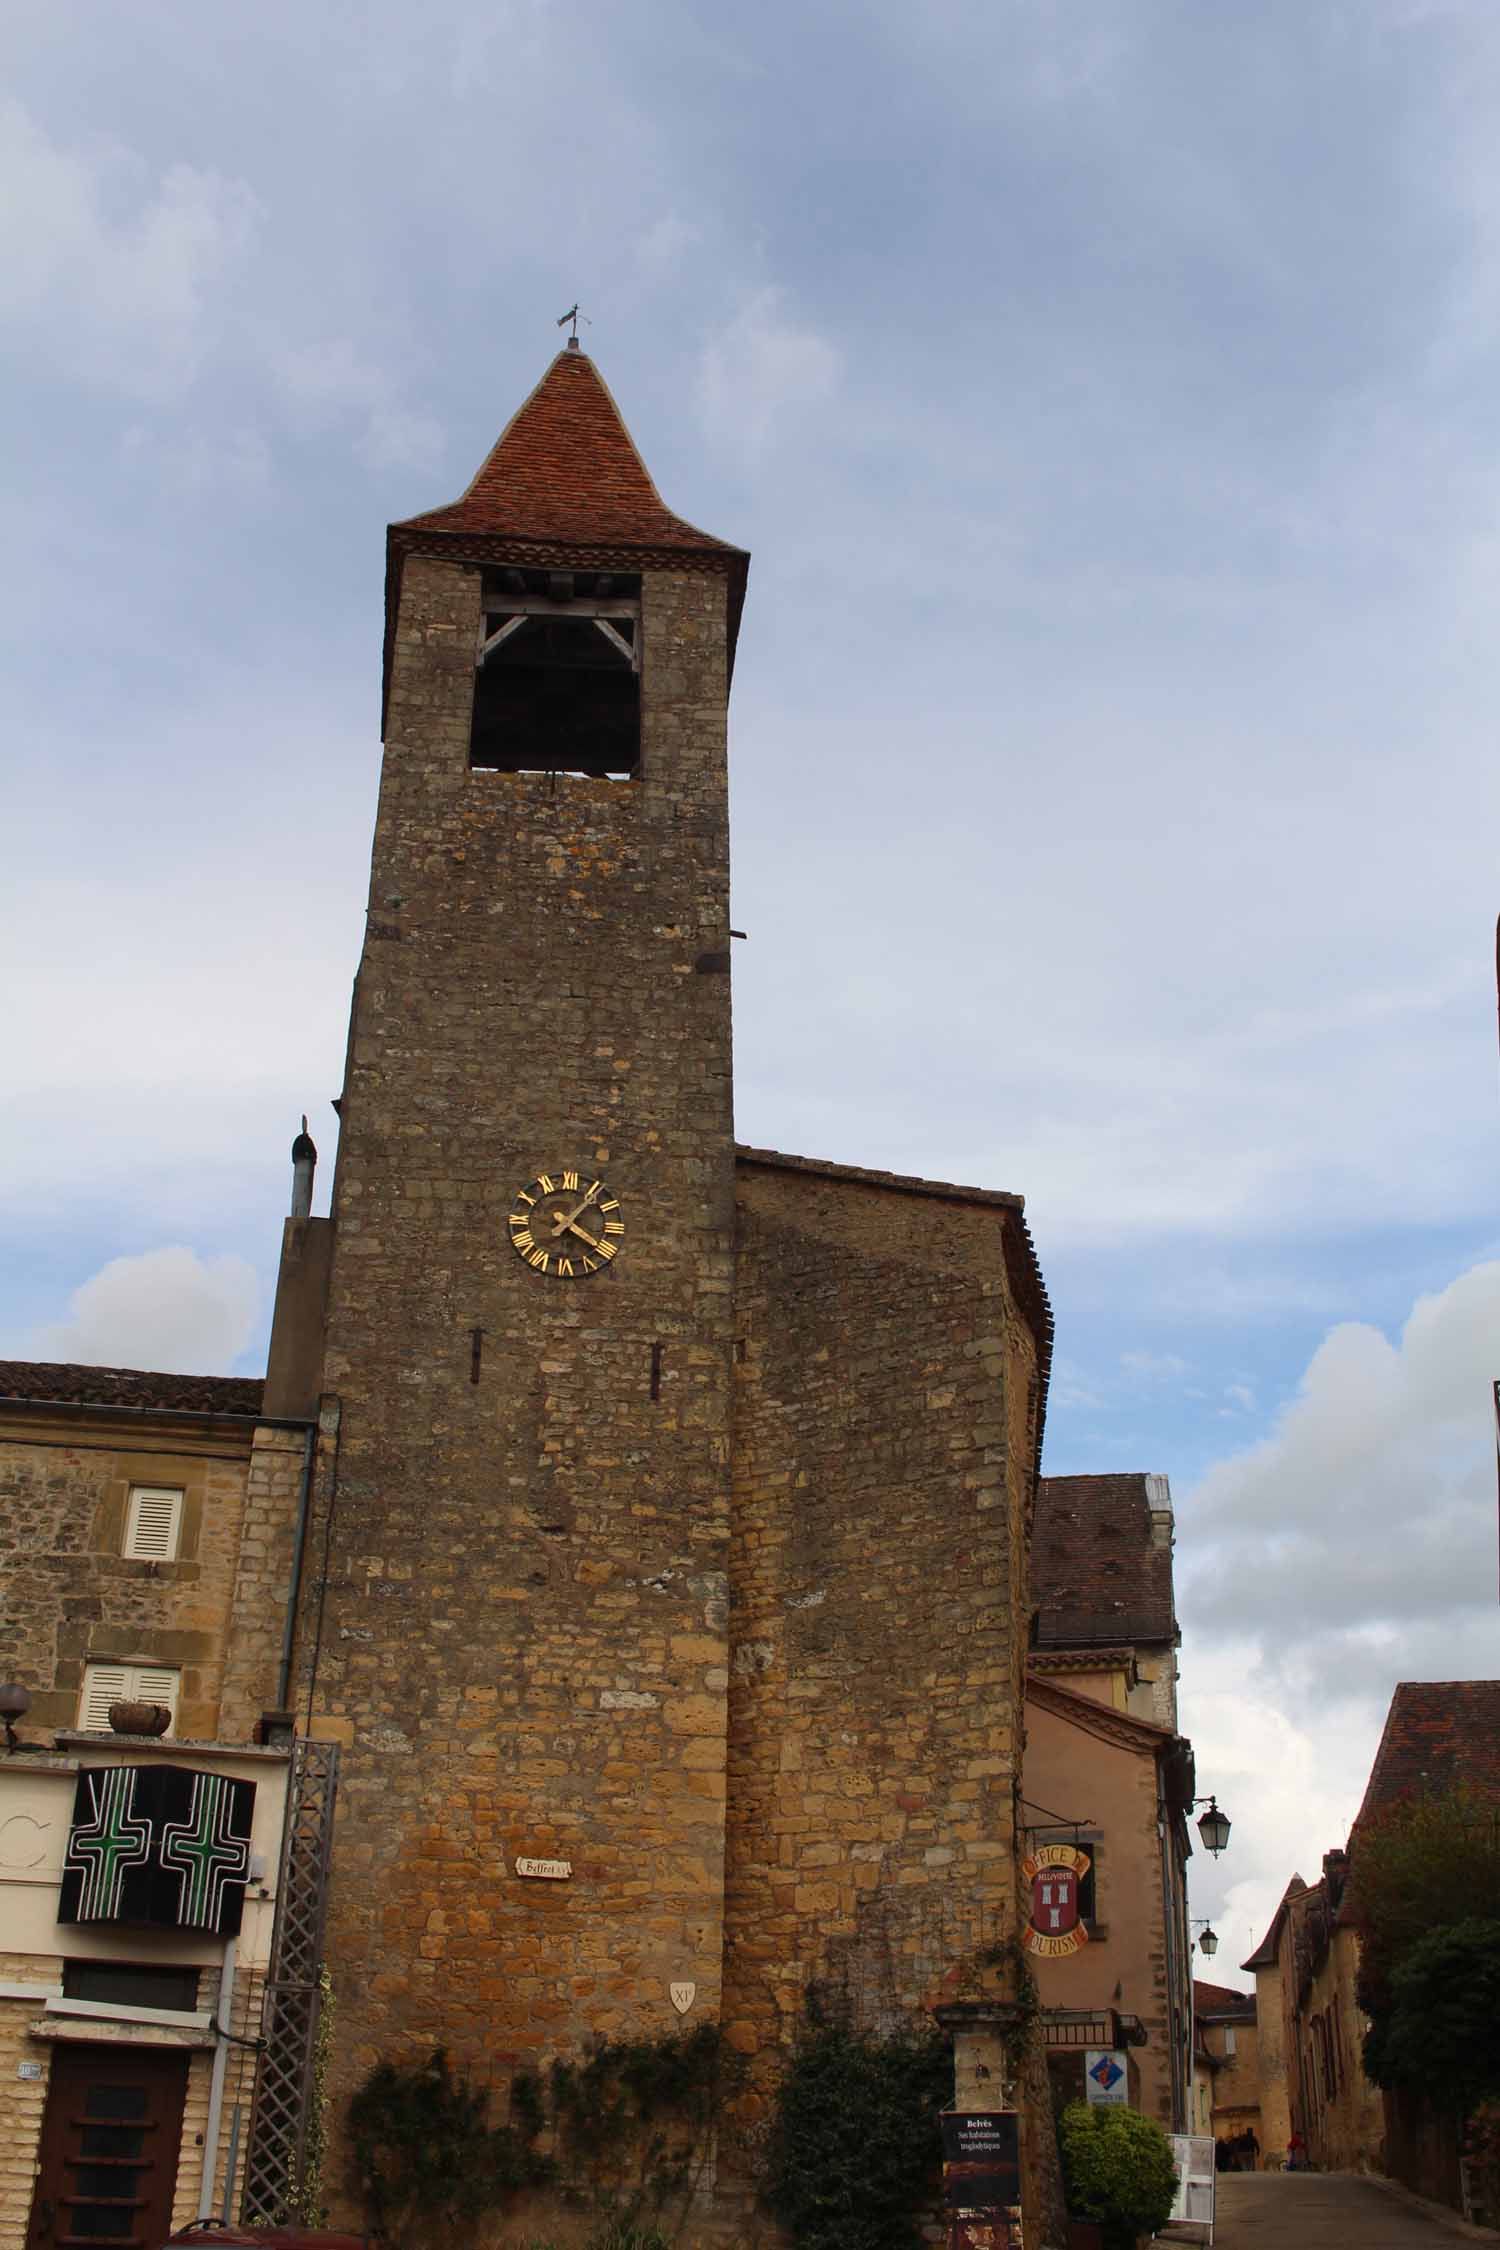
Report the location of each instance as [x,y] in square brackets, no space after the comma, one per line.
[1108,395]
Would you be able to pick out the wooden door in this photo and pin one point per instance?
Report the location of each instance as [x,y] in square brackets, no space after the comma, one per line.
[110,2141]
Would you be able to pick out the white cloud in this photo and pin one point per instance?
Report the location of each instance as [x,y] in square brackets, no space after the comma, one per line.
[165,1309]
[1352,1548]
[662,247]
[760,369]
[324,382]
[110,268]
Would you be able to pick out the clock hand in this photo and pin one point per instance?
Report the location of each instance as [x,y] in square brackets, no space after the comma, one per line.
[591,1239]
[560,1225]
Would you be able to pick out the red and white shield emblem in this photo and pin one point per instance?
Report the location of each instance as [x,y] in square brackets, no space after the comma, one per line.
[1055,1873]
[1054,1901]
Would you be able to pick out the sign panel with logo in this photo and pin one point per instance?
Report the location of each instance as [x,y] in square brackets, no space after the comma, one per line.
[158,1846]
[1106,2077]
[1055,1925]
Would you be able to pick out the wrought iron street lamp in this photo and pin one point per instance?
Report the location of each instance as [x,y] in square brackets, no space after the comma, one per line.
[1206,1942]
[1213,1827]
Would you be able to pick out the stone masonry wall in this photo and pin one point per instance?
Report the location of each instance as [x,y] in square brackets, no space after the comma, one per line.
[68,1597]
[263,1579]
[523,1641]
[883,1462]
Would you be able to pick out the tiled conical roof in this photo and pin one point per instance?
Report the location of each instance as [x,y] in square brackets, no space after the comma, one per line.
[564,486]
[565,469]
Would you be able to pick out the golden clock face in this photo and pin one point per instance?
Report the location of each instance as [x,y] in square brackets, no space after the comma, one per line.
[565,1225]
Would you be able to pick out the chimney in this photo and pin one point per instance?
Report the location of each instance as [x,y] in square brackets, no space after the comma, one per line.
[304,1164]
[1159,1501]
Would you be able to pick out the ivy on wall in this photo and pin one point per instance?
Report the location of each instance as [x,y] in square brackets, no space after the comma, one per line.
[627,2131]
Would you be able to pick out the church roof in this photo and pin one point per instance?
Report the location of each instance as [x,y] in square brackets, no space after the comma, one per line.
[1099,1575]
[566,469]
[30,1382]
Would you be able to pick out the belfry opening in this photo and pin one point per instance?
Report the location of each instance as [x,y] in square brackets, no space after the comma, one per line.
[557,683]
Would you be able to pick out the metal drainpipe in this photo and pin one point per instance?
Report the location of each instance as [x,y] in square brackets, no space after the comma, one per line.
[1169,1939]
[216,2083]
[299,1546]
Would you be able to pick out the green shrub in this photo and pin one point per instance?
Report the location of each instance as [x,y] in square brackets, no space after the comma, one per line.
[856,2149]
[1117,2170]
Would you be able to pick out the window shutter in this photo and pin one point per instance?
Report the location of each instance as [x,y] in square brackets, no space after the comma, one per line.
[104,1684]
[153,1523]
[149,1683]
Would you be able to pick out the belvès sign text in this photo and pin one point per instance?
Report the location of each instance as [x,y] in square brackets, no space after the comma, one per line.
[545,1870]
[981,2159]
[1055,1873]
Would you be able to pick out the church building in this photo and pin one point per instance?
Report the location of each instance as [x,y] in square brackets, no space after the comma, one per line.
[626,1556]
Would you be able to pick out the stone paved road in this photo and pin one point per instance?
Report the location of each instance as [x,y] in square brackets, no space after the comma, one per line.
[1325,2211]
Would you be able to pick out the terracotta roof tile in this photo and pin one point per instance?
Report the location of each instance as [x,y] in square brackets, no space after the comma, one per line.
[566,469]
[1221,2000]
[52,1382]
[1098,1575]
[1439,1735]
[563,486]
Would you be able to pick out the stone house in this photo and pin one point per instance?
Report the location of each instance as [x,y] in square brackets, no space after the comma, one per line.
[633,1526]
[1439,1736]
[1107,1775]
[1226,2061]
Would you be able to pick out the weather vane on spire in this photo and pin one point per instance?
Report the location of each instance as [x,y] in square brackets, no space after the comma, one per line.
[574,316]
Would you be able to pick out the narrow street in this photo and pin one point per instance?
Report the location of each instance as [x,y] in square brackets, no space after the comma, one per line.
[1324,2211]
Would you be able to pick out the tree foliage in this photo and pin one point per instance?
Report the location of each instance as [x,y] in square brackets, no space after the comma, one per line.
[1118,2171]
[1438,2036]
[855,2148]
[1413,1866]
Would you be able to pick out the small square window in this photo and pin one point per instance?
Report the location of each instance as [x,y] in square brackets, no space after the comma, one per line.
[104,1684]
[153,1523]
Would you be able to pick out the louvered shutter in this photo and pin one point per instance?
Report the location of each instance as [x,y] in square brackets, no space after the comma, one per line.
[153,1522]
[104,1684]
[150,1683]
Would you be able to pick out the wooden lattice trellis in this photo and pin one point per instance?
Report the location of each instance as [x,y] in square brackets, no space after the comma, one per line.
[293,2003]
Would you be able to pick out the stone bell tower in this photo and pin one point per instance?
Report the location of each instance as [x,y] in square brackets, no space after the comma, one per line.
[520,1632]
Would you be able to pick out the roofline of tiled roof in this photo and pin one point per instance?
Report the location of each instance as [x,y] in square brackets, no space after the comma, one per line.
[1106,1634]
[904,1183]
[412,538]
[1107,1656]
[1022,1265]
[61,1387]
[1233,2002]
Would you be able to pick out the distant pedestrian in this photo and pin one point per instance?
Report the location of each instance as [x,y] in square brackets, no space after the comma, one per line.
[1296,2154]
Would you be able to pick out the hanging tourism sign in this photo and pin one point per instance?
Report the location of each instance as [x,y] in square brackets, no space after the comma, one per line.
[158,1846]
[1055,1925]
